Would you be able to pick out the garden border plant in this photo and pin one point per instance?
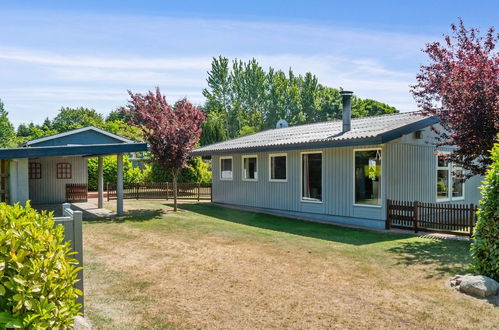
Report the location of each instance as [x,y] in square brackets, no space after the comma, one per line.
[485,245]
[37,271]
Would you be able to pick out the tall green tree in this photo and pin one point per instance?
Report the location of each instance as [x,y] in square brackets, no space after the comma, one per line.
[214,128]
[218,95]
[244,98]
[276,106]
[73,118]
[7,132]
[368,107]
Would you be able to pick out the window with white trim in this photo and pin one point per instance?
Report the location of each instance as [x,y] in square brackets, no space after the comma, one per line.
[368,177]
[250,172]
[226,168]
[278,167]
[311,176]
[449,180]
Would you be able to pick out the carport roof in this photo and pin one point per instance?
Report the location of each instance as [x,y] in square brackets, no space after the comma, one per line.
[72,150]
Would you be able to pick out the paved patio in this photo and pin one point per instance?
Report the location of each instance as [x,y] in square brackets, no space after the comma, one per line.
[89,209]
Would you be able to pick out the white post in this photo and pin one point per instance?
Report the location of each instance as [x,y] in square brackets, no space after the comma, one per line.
[78,247]
[119,186]
[100,183]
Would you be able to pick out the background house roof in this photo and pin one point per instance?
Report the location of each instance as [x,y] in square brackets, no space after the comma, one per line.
[364,131]
[81,136]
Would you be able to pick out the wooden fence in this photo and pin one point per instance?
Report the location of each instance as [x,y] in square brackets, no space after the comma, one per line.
[162,190]
[458,219]
[72,222]
[76,192]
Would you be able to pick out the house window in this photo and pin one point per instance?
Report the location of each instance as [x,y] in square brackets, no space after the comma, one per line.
[449,183]
[250,172]
[226,168]
[64,171]
[368,177]
[35,170]
[312,177]
[278,168]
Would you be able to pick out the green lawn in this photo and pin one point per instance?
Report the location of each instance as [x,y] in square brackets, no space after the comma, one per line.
[214,267]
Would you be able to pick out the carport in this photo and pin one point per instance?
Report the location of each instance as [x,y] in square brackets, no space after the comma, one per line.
[45,169]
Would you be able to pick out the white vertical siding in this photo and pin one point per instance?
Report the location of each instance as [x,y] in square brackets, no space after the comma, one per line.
[18,181]
[49,189]
[412,174]
[337,189]
[408,173]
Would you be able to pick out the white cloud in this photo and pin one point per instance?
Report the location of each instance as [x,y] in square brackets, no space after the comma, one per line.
[55,61]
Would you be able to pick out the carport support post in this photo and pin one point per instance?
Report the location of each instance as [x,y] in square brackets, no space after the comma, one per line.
[119,186]
[100,183]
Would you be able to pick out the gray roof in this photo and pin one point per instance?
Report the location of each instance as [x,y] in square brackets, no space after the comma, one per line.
[365,131]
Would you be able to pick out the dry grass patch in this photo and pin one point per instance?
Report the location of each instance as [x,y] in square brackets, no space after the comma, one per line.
[212,267]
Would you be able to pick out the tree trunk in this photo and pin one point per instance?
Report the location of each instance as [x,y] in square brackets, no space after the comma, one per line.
[175,174]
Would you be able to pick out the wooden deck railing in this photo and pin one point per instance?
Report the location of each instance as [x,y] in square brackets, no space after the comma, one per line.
[458,219]
[162,190]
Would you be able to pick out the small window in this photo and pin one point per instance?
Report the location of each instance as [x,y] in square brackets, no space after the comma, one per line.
[312,177]
[35,171]
[226,168]
[450,185]
[250,172]
[368,177]
[64,171]
[278,171]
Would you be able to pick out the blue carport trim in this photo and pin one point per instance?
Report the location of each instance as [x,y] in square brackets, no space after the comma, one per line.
[379,139]
[98,149]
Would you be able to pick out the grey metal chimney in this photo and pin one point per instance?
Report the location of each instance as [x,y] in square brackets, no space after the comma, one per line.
[346,99]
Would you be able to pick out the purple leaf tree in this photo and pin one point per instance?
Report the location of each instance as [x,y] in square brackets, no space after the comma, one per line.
[460,86]
[171,131]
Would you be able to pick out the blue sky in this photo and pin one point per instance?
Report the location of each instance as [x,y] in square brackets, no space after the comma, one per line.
[69,53]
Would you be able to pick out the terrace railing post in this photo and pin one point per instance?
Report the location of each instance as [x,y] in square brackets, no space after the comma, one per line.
[78,247]
[199,191]
[211,192]
[107,189]
[137,191]
[472,219]
[388,223]
[167,191]
[416,216]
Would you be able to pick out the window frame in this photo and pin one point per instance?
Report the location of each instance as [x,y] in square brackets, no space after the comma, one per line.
[62,172]
[381,191]
[220,168]
[450,174]
[242,167]
[322,177]
[30,172]
[270,167]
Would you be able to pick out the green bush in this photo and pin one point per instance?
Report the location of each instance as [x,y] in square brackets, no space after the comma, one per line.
[37,272]
[485,246]
[197,172]
[130,174]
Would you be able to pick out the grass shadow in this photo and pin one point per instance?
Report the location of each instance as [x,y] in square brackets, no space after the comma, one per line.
[322,231]
[449,257]
[138,215]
